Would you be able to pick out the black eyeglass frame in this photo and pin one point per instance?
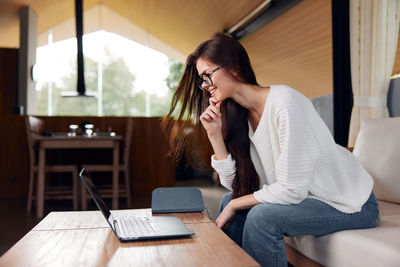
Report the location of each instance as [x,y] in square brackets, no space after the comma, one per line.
[200,80]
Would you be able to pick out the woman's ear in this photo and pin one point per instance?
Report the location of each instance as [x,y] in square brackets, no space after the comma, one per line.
[235,72]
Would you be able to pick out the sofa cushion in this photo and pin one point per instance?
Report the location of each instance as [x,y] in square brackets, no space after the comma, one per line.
[378,148]
[379,246]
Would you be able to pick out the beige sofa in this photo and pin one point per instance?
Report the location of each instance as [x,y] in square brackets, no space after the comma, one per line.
[378,148]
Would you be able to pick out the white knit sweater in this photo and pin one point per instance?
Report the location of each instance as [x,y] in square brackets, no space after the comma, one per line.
[296,157]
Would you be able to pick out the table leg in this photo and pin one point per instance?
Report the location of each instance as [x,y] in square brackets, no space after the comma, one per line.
[40,183]
[115,189]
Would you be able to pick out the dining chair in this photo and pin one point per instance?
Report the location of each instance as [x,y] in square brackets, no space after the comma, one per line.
[34,127]
[123,167]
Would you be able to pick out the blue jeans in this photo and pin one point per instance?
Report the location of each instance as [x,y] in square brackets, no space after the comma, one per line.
[260,231]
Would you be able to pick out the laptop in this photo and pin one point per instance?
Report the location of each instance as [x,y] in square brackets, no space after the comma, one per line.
[137,228]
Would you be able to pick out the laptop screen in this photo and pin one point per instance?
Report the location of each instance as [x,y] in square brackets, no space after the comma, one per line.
[96,197]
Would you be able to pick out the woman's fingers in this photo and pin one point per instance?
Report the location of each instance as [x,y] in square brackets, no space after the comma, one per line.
[205,117]
[225,217]
[213,101]
[215,105]
[225,227]
[209,115]
[212,114]
[215,110]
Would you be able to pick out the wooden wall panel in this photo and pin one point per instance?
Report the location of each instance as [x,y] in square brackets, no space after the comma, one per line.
[150,165]
[8,79]
[396,67]
[10,132]
[14,159]
[2,77]
[295,49]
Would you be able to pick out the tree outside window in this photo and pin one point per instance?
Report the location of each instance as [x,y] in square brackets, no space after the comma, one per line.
[118,95]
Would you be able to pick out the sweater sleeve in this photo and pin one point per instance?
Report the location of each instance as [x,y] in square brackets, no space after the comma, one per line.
[226,169]
[299,153]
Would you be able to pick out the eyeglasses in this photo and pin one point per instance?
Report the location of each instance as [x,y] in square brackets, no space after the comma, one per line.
[206,78]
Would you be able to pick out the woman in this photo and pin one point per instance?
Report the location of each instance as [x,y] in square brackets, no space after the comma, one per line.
[271,148]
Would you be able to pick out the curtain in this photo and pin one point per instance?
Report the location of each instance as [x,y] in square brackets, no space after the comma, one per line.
[374,27]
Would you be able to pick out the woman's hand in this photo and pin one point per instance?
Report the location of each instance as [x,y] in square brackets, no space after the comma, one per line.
[225,217]
[240,203]
[211,117]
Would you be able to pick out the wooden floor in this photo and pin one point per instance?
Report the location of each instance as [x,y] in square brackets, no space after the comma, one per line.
[16,221]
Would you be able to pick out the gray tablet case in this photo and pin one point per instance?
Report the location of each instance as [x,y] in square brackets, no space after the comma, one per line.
[176,199]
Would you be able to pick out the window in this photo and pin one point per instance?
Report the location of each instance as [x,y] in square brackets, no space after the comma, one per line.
[129,79]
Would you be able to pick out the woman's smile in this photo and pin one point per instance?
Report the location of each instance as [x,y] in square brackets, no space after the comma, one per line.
[212,91]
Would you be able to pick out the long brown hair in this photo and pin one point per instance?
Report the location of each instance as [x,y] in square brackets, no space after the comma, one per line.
[190,102]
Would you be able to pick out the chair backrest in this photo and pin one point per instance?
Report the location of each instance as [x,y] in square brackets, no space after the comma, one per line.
[34,126]
[127,140]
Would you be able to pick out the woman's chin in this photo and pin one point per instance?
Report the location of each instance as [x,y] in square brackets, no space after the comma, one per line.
[219,98]
[215,96]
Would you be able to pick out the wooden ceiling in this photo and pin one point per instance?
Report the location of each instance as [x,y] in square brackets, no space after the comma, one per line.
[294,49]
[183,23]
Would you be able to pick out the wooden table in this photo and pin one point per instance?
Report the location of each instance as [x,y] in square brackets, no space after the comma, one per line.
[76,142]
[83,238]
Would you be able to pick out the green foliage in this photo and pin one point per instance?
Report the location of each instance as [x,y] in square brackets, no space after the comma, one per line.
[118,95]
[175,73]
[117,89]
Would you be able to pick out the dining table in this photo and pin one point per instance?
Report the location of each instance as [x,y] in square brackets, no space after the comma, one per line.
[65,141]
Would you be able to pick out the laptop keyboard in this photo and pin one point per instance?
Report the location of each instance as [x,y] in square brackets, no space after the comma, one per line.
[139,226]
